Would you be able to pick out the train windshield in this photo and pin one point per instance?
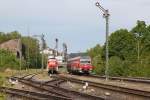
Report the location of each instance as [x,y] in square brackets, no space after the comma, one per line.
[85,60]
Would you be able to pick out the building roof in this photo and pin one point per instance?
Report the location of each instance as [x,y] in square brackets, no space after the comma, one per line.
[11,45]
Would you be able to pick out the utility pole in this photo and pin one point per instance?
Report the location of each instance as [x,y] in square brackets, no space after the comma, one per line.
[138,45]
[1,56]
[42,38]
[106,16]
[28,50]
[65,52]
[138,50]
[36,55]
[56,47]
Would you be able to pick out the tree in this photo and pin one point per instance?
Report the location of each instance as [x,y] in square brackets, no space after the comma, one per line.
[32,52]
[146,39]
[139,30]
[97,61]
[8,36]
[124,49]
[122,44]
[98,64]
[14,35]
[97,50]
[116,66]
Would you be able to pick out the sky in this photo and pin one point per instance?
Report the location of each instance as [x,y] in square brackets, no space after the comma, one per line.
[78,23]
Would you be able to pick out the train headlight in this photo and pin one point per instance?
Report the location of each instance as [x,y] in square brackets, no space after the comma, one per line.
[80,69]
[90,69]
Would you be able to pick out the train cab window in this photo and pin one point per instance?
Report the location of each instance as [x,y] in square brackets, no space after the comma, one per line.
[85,62]
[52,58]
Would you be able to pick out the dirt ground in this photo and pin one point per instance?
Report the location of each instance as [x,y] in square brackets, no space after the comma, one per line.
[78,87]
[140,86]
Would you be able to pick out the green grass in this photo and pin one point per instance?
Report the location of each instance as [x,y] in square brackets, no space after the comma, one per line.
[2,96]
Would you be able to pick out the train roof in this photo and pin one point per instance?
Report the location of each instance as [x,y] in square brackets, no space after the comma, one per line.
[85,57]
[80,57]
[73,55]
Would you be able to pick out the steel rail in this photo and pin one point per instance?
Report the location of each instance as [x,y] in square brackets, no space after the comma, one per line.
[60,91]
[115,88]
[128,79]
[29,94]
[33,74]
[41,86]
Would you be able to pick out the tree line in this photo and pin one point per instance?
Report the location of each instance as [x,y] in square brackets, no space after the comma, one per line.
[129,52]
[31,57]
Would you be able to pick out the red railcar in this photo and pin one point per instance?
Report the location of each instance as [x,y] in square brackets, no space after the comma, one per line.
[81,64]
[52,65]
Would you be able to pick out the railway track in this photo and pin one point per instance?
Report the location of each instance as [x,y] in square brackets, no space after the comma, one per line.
[115,88]
[53,95]
[40,86]
[30,94]
[31,75]
[53,88]
[129,79]
[55,82]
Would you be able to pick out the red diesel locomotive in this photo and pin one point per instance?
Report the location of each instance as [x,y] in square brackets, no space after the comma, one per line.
[52,65]
[80,64]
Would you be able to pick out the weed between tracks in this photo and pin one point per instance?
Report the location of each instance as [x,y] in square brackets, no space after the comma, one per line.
[8,73]
[2,96]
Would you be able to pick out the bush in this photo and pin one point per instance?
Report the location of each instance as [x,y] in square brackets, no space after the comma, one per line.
[98,64]
[115,66]
[8,60]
